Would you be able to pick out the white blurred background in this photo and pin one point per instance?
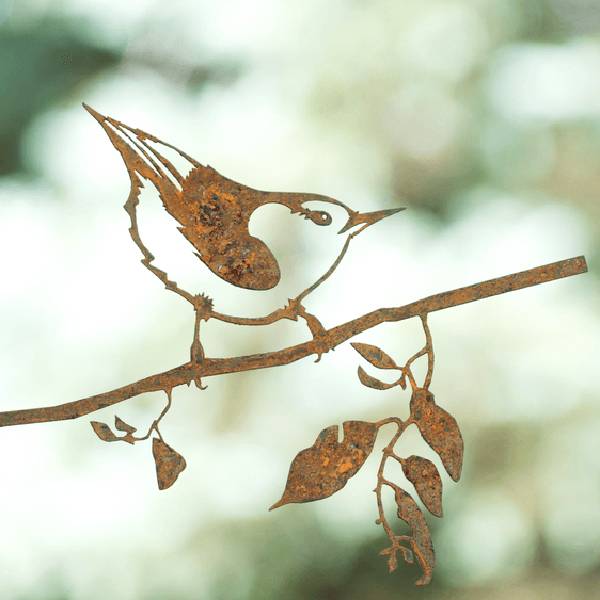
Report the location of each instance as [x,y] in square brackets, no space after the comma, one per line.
[483,118]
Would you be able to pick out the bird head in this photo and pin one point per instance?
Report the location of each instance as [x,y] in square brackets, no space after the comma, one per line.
[296,203]
[213,212]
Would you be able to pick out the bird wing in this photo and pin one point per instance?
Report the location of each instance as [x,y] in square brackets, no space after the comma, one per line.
[218,212]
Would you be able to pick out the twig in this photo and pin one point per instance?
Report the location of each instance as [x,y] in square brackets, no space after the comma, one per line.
[187,372]
[388,452]
[156,422]
[381,481]
[429,350]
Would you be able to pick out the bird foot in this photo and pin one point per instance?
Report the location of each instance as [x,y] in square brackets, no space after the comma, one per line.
[322,345]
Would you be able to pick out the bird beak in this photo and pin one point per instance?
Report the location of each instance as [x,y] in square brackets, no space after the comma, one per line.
[366,219]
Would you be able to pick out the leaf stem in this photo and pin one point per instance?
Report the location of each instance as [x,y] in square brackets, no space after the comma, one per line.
[382,481]
[429,349]
[154,425]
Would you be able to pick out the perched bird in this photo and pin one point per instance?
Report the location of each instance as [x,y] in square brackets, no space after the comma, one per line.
[213,213]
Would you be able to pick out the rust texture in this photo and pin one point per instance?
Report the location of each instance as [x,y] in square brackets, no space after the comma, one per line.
[168,463]
[213,214]
[320,471]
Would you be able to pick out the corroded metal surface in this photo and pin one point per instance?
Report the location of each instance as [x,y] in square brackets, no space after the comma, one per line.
[320,471]
[423,474]
[439,429]
[213,214]
[168,463]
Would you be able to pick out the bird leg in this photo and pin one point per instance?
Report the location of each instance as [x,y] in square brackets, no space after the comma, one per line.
[202,310]
[196,349]
[319,333]
[291,311]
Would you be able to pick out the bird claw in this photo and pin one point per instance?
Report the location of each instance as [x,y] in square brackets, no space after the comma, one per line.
[322,346]
[198,383]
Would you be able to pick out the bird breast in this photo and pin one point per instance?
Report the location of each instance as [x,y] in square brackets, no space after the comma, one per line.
[214,214]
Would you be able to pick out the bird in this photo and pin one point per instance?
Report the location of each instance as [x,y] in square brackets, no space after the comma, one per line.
[213,214]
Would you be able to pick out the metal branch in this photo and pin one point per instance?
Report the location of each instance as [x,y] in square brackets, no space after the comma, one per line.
[187,372]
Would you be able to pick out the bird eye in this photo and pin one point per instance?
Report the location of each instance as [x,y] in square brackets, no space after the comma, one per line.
[319,217]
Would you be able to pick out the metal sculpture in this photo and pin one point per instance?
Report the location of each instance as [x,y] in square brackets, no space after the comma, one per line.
[213,214]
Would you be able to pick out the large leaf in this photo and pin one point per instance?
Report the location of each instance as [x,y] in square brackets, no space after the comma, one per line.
[423,474]
[324,468]
[168,463]
[439,429]
[421,544]
[375,355]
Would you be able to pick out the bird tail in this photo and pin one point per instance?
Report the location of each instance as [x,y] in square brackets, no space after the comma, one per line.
[143,159]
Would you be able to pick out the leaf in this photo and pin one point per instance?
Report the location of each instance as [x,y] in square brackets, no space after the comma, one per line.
[122,426]
[324,468]
[439,429]
[373,382]
[422,546]
[103,431]
[168,463]
[423,474]
[375,355]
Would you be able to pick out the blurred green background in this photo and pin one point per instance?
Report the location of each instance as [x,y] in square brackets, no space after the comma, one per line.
[481,116]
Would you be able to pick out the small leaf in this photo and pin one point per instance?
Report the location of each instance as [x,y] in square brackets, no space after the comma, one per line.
[376,356]
[122,426]
[373,382]
[103,431]
[422,546]
[168,463]
[324,468]
[423,474]
[439,429]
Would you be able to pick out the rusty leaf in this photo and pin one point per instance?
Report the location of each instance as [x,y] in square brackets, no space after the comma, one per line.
[422,546]
[168,463]
[373,382]
[375,355]
[423,474]
[439,429]
[103,431]
[324,468]
[122,426]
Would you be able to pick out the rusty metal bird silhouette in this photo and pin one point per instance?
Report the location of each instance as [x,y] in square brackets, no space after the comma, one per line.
[213,214]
